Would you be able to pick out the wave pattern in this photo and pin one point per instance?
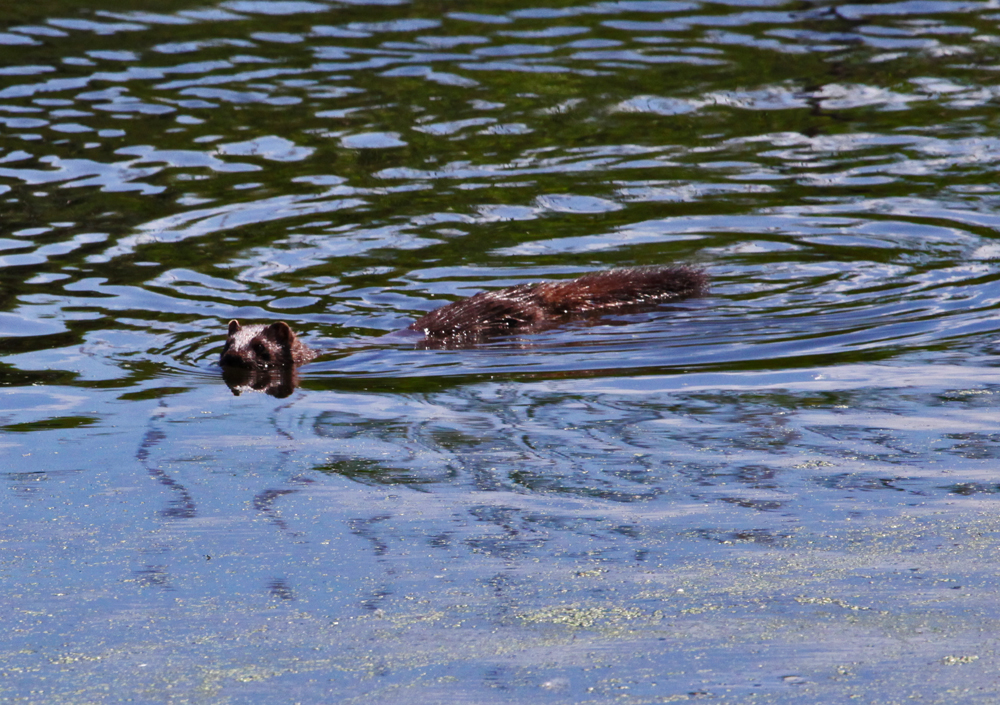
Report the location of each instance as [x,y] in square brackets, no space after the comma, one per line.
[665,504]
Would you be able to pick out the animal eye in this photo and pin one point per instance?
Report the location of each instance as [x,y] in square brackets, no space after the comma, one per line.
[262,352]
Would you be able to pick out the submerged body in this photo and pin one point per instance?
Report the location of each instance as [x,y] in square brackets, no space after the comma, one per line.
[529,308]
[525,308]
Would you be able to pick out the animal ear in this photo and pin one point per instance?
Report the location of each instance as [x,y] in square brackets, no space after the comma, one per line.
[234,326]
[281,332]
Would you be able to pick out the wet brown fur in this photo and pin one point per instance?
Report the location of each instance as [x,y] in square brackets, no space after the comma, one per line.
[529,308]
[263,347]
[525,308]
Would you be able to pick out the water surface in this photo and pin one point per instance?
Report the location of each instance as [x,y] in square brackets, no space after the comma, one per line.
[784,491]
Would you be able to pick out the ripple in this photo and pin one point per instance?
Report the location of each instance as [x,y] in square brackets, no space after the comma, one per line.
[373,140]
[10,39]
[568,203]
[347,166]
[272,148]
[274,7]
[99,28]
[206,221]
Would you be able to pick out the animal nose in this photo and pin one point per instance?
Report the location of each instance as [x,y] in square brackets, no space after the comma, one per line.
[230,360]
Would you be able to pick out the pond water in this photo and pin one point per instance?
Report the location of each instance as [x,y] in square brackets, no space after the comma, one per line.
[783,491]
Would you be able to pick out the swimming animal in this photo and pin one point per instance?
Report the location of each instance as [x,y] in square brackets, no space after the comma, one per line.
[525,308]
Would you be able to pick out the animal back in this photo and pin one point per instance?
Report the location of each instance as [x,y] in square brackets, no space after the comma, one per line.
[533,307]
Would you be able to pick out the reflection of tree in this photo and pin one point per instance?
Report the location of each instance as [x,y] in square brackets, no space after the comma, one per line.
[181,505]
